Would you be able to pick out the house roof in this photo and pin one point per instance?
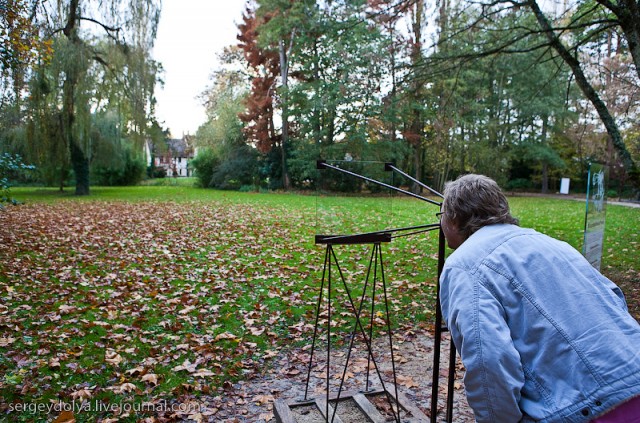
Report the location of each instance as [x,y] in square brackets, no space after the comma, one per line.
[180,147]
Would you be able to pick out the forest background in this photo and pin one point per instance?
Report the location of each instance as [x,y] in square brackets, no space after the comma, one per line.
[526,93]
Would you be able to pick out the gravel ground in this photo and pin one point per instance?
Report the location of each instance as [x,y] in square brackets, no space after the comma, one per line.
[253,400]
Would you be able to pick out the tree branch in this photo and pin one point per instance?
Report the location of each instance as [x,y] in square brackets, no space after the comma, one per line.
[108,29]
[585,86]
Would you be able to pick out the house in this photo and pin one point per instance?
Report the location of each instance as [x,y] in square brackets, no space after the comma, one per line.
[174,156]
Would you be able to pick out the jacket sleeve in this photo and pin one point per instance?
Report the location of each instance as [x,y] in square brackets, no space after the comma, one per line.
[494,375]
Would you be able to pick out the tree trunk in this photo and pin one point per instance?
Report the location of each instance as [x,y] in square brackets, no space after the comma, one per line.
[284,73]
[417,166]
[545,165]
[316,125]
[417,123]
[79,158]
[80,164]
[62,178]
[545,178]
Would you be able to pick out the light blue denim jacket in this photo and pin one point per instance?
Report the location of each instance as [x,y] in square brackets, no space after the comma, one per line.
[543,336]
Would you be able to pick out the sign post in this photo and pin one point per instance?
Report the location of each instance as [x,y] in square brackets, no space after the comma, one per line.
[594,221]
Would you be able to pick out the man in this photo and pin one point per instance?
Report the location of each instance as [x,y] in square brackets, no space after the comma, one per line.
[542,334]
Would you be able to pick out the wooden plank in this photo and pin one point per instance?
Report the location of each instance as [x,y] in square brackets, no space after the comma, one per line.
[369,409]
[321,403]
[417,415]
[283,412]
[351,394]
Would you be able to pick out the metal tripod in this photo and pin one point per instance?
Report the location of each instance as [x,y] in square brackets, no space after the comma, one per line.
[376,268]
[374,277]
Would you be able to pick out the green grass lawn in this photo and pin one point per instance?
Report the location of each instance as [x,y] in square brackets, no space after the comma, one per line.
[168,293]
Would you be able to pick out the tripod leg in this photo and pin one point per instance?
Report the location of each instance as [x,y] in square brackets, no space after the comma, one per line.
[359,324]
[358,313]
[452,377]
[327,265]
[393,361]
[438,333]
[373,304]
[329,336]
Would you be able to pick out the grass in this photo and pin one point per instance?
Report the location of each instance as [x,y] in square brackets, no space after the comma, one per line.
[150,293]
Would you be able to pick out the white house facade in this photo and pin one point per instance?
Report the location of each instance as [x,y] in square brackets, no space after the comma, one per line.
[174,159]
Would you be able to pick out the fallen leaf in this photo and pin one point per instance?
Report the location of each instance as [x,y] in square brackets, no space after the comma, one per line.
[54,363]
[151,378]
[124,388]
[225,335]
[81,394]
[186,365]
[407,382]
[203,373]
[113,357]
[65,417]
[263,399]
[347,375]
[65,309]
[135,371]
[5,342]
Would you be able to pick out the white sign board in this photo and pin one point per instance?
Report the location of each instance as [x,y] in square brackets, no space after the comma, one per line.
[564,185]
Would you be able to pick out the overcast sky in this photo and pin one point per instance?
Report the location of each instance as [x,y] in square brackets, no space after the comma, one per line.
[191,33]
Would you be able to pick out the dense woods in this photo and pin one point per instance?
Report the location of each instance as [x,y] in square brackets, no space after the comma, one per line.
[522,93]
[526,93]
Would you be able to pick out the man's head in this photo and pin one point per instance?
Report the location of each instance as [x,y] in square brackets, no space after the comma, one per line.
[471,202]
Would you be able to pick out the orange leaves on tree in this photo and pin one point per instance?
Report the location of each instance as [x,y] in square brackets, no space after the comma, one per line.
[259,103]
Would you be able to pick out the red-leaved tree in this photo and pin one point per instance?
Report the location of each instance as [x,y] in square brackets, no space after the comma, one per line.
[259,104]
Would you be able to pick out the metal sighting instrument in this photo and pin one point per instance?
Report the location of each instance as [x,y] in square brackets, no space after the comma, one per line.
[399,408]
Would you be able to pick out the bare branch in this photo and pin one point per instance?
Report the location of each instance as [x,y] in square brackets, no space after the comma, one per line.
[108,29]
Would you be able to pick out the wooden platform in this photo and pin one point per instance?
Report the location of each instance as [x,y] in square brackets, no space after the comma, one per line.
[351,407]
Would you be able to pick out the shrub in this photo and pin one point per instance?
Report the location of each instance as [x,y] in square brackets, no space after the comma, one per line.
[10,167]
[156,172]
[130,172]
[519,184]
[237,169]
[203,165]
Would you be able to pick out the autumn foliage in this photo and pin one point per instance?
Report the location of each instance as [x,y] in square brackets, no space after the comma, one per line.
[260,103]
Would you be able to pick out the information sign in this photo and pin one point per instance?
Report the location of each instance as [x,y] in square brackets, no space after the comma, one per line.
[594,221]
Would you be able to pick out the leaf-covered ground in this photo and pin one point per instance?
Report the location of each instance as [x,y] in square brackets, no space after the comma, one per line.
[129,310]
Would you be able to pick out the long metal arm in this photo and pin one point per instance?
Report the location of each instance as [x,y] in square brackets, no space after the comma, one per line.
[417,229]
[414,233]
[324,164]
[431,190]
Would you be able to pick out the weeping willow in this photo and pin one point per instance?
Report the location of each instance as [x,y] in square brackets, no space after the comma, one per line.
[93,103]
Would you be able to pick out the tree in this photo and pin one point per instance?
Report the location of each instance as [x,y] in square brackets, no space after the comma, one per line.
[225,160]
[264,65]
[573,35]
[127,42]
[333,91]
[632,31]
[481,108]
[20,45]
